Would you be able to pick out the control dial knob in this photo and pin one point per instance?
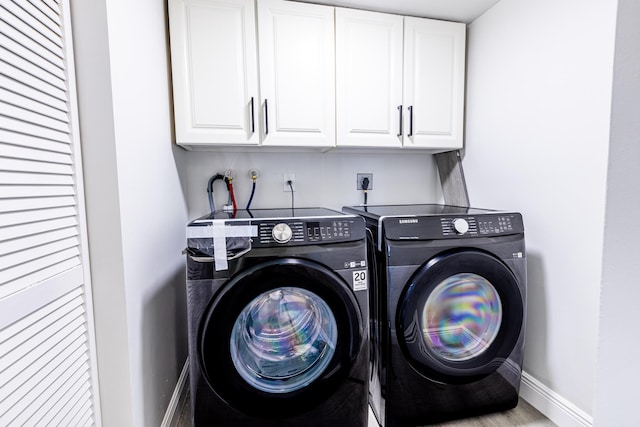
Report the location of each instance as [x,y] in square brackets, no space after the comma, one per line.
[281,233]
[460,225]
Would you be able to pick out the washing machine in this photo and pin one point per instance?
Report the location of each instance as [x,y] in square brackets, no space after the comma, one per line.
[278,318]
[448,304]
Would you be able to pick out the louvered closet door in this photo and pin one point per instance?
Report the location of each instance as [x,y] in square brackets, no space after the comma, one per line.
[47,362]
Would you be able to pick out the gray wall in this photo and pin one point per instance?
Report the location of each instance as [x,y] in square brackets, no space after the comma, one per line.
[322,179]
[618,369]
[136,205]
[538,109]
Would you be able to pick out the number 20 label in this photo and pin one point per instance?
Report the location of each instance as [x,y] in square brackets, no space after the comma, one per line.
[360,280]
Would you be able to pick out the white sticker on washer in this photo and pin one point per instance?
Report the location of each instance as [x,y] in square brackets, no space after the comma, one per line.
[219,245]
[360,280]
[219,231]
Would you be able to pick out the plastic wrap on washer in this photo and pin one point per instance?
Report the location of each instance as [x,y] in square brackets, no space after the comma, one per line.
[219,242]
[203,248]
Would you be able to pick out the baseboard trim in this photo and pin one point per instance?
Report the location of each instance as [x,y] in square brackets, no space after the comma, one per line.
[178,399]
[552,405]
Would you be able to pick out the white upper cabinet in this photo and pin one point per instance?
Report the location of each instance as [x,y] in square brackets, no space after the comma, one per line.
[326,77]
[434,69]
[368,78]
[395,91]
[215,72]
[297,73]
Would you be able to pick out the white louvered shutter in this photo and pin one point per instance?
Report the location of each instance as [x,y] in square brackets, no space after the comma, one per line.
[47,351]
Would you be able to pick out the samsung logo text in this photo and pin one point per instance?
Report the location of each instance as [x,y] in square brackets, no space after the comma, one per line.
[408,221]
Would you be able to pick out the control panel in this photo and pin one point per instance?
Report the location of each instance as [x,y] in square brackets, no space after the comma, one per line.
[452,226]
[298,232]
[472,225]
[458,226]
[495,225]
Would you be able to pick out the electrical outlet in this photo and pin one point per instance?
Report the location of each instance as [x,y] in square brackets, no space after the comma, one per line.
[230,173]
[286,177]
[360,177]
[254,173]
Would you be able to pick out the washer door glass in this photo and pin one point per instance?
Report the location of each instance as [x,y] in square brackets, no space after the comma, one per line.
[279,337]
[461,317]
[283,340]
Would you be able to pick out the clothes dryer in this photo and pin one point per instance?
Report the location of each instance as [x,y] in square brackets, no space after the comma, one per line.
[277,318]
[448,308]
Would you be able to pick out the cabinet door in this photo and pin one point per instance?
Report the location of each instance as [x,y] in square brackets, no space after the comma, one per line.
[434,63]
[215,74]
[368,78]
[297,73]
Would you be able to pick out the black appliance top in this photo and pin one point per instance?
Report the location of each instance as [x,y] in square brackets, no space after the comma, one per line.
[435,222]
[267,228]
[281,213]
[378,211]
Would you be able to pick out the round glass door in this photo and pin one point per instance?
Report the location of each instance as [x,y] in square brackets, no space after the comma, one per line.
[283,340]
[460,316]
[280,337]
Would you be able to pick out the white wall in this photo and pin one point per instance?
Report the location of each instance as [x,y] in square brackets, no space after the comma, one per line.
[538,102]
[322,179]
[136,205]
[618,368]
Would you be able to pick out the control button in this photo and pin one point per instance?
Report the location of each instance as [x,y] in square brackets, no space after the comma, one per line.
[460,225]
[281,233]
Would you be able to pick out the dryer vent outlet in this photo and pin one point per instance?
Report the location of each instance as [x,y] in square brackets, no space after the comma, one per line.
[360,181]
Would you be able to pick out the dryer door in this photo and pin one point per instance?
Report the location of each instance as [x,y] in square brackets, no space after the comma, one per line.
[280,337]
[460,316]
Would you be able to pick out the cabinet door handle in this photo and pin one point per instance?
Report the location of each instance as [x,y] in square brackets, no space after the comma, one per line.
[266,118]
[400,121]
[410,120]
[253,122]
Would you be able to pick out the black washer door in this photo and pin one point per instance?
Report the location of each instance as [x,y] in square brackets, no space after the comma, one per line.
[280,337]
[460,316]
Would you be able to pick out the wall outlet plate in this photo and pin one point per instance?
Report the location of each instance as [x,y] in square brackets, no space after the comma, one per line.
[360,177]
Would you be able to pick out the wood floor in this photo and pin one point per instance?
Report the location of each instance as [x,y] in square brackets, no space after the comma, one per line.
[524,415]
